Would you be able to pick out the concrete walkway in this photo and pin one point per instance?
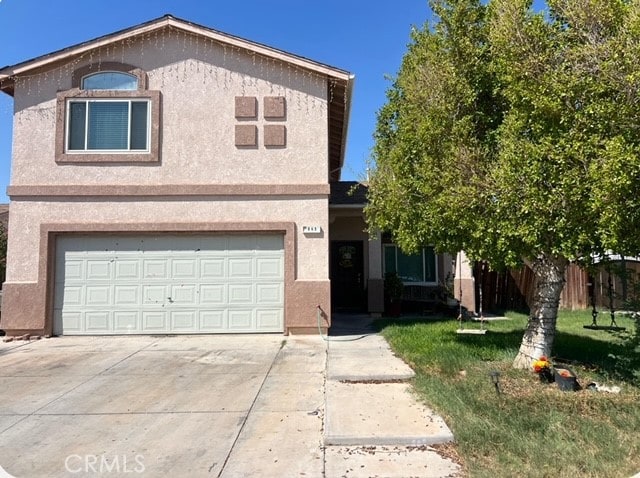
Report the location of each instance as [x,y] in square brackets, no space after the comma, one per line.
[374,426]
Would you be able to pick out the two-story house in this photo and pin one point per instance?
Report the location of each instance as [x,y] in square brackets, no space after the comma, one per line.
[170,178]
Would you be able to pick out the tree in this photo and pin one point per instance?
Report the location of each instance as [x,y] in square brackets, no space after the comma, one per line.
[514,136]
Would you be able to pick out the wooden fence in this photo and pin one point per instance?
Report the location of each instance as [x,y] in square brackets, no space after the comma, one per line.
[513,289]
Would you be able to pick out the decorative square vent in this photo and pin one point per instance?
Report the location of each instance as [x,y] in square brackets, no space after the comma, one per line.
[246,107]
[275,135]
[246,135]
[275,107]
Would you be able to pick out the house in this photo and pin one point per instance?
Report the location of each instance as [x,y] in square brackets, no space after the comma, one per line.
[171,178]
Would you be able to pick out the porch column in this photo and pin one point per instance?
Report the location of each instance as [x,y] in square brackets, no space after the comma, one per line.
[464,281]
[375,281]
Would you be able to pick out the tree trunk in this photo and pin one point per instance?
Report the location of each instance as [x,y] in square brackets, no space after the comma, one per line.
[541,327]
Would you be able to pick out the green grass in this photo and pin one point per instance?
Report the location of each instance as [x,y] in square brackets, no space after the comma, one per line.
[530,429]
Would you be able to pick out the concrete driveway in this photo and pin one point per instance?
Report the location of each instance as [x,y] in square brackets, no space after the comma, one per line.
[162,406]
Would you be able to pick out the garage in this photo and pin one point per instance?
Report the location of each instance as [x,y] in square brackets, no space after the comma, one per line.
[168,284]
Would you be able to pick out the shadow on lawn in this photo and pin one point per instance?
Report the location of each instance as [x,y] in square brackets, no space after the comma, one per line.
[618,360]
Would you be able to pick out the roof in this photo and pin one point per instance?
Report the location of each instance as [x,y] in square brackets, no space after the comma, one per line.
[348,193]
[340,81]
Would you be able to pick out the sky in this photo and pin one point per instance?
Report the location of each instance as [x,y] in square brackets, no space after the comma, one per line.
[365,37]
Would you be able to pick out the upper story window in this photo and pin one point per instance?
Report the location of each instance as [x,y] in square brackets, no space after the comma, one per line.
[110,80]
[107,125]
[109,116]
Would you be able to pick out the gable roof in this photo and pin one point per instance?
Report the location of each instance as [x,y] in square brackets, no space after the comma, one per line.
[340,81]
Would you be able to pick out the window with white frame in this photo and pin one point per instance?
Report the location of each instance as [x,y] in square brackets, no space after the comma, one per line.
[106,124]
[411,268]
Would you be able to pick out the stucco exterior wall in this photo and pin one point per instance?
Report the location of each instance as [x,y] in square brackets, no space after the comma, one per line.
[198,80]
[202,182]
[27,216]
[465,281]
[36,224]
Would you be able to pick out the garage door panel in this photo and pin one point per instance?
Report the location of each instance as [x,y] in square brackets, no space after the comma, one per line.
[169,284]
[72,295]
[183,294]
[97,321]
[213,320]
[212,268]
[240,319]
[155,269]
[184,321]
[268,319]
[240,268]
[154,294]
[213,294]
[155,321]
[184,268]
[127,269]
[126,295]
[269,293]
[70,270]
[72,321]
[98,295]
[98,270]
[126,322]
[269,268]
[241,294]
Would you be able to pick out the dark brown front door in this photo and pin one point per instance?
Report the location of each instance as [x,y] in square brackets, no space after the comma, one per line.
[347,275]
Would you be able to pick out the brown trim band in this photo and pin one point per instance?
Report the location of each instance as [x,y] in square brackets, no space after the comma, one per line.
[170,190]
[152,156]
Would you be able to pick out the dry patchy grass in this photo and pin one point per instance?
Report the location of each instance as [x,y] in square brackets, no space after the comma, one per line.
[530,429]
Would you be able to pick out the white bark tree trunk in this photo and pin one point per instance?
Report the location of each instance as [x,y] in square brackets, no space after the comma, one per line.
[541,327]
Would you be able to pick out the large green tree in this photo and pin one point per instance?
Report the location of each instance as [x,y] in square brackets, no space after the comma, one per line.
[514,135]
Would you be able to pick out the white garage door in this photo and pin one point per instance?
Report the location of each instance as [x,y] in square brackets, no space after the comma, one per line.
[162,284]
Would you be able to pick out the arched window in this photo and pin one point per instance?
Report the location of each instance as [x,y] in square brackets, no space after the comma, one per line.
[109,80]
[108,115]
[108,124]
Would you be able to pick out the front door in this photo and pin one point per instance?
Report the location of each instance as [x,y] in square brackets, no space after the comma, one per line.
[347,275]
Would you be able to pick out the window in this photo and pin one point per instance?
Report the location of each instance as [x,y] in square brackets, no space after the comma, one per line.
[107,125]
[110,80]
[420,267]
[109,116]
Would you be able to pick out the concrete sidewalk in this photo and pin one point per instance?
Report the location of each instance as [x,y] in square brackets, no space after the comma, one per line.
[374,426]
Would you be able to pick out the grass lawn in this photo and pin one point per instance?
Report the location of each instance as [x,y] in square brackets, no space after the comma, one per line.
[531,429]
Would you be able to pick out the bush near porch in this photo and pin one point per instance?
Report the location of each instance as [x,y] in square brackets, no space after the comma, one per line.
[531,429]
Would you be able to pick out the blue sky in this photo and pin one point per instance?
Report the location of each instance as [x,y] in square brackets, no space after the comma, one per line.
[365,37]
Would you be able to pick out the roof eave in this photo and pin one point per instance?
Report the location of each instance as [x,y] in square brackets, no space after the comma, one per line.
[8,73]
[347,114]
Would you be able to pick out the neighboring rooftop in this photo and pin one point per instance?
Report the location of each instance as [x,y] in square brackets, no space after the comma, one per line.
[348,193]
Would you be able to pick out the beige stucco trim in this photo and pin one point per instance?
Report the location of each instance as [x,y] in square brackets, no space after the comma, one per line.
[46,190]
[28,307]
